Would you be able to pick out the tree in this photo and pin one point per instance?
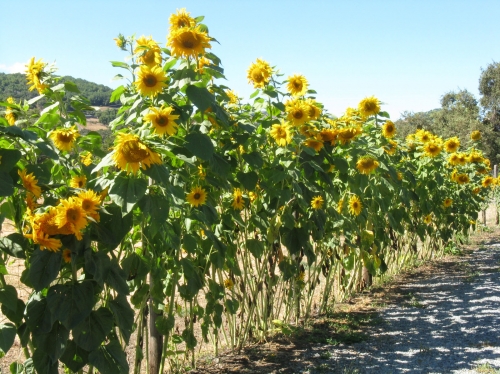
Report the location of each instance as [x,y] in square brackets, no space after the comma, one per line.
[489,89]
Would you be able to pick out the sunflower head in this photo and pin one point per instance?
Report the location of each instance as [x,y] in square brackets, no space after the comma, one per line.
[30,182]
[313,111]
[488,181]
[181,19]
[369,106]
[70,214]
[150,80]
[78,181]
[355,205]
[475,135]
[297,85]
[281,133]
[428,219]
[228,283]
[148,51]
[317,202]
[452,145]
[64,139]
[131,153]
[389,129]
[259,73]
[238,202]
[366,165]
[297,112]
[348,134]
[462,178]
[188,42]
[10,113]
[66,255]
[432,149]
[163,120]
[197,196]
[391,147]
[35,75]
[447,202]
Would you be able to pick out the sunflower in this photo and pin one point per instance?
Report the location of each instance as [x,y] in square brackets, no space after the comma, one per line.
[475,135]
[447,202]
[201,172]
[428,219]
[66,255]
[313,111]
[297,112]
[64,139]
[452,144]
[315,144]
[202,62]
[31,203]
[180,20]
[30,182]
[35,74]
[149,51]
[347,134]
[328,135]
[369,106]
[317,202]
[366,164]
[45,242]
[120,42]
[10,114]
[454,159]
[71,213]
[432,149]
[233,98]
[228,283]
[340,206]
[476,190]
[131,154]
[488,181]
[297,85]
[252,196]
[475,157]
[78,181]
[281,133]
[462,158]
[259,73]
[462,178]
[355,205]
[424,136]
[197,196]
[90,203]
[86,158]
[389,129]
[150,81]
[391,147]
[163,120]
[238,202]
[188,42]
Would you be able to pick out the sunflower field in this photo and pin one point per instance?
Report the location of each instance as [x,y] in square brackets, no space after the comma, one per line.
[211,219]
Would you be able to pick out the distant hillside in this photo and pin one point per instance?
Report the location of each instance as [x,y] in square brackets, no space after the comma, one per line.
[15,85]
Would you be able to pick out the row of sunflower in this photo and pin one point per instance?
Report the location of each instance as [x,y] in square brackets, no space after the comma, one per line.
[216,217]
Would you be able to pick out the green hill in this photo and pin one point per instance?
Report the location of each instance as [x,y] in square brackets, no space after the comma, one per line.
[15,85]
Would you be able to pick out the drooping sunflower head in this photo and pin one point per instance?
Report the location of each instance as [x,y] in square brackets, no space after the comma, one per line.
[78,181]
[238,202]
[281,133]
[452,145]
[391,148]
[150,81]
[488,181]
[313,111]
[355,205]
[131,154]
[475,157]
[66,255]
[30,182]
[348,134]
[181,19]
[86,158]
[197,196]
[297,85]
[120,42]
[314,143]
[366,165]
[232,96]
[163,120]
[462,178]
[317,202]
[369,106]
[64,139]
[432,149]
[389,129]
[10,113]
[340,206]
[297,112]
[447,202]
[202,62]
[148,51]
[188,42]
[475,135]
[328,135]
[259,73]
[35,74]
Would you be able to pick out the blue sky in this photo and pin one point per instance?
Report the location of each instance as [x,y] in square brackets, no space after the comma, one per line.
[407,53]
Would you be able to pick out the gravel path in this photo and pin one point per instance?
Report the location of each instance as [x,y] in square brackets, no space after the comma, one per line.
[450,323]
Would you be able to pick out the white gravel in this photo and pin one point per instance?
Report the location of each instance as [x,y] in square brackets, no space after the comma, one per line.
[451,327]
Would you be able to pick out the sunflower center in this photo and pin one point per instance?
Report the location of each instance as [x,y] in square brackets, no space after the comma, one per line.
[80,184]
[281,133]
[132,152]
[297,85]
[73,215]
[150,80]
[162,121]
[257,76]
[149,57]
[298,114]
[189,41]
[197,196]
[87,205]
[65,138]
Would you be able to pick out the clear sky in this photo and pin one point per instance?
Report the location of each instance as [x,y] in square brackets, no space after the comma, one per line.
[407,53]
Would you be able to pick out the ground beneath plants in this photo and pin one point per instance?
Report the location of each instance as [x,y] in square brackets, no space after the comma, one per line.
[443,317]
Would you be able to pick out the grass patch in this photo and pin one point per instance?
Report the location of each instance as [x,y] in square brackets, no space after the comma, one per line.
[486,368]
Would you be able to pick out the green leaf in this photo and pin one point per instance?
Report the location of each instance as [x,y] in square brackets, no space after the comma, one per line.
[200,97]
[47,150]
[8,158]
[165,324]
[124,315]
[52,343]
[71,303]
[189,243]
[39,319]
[7,336]
[256,247]
[117,278]
[44,268]
[295,239]
[248,180]
[159,173]
[8,297]
[93,330]
[16,315]
[19,133]
[6,184]
[189,338]
[194,281]
[232,305]
[43,364]
[92,142]
[74,357]
[253,159]
[113,227]
[115,95]
[200,145]
[71,87]
[126,192]
[110,359]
